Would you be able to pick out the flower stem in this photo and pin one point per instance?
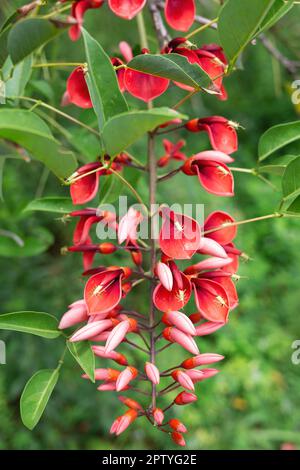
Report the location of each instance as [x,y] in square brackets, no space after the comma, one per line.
[201,28]
[247,221]
[142,31]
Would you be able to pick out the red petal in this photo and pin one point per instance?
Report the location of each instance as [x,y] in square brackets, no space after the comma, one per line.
[211,300]
[77,89]
[175,299]
[215,177]
[217,219]
[126,9]
[222,135]
[180,14]
[180,235]
[84,189]
[144,86]
[103,291]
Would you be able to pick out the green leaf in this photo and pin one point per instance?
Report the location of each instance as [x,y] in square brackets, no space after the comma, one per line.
[34,323]
[28,35]
[19,78]
[102,82]
[87,144]
[85,357]
[36,395]
[61,205]
[238,23]
[172,66]
[278,10]
[291,180]
[30,131]
[31,245]
[4,30]
[277,137]
[110,189]
[123,130]
[279,167]
[294,207]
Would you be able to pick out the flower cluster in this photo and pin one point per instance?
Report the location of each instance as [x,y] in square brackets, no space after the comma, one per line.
[102,316]
[179,14]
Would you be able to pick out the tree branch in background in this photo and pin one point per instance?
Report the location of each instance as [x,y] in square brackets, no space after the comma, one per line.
[161,31]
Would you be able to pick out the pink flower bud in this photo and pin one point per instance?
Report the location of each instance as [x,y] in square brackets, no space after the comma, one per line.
[115,356]
[208,327]
[208,246]
[178,438]
[152,373]
[183,379]
[158,416]
[125,421]
[125,377]
[180,320]
[176,336]
[165,276]
[209,263]
[117,335]
[177,425]
[201,359]
[90,330]
[195,375]
[185,398]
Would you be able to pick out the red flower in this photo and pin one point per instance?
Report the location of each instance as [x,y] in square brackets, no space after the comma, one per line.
[180,14]
[77,89]
[172,152]
[213,175]
[211,299]
[126,9]
[103,291]
[180,235]
[78,10]
[222,133]
[86,182]
[175,299]
[217,219]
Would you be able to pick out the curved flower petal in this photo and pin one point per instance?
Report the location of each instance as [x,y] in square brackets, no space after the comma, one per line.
[217,219]
[211,300]
[215,177]
[144,86]
[180,14]
[103,291]
[126,9]
[77,89]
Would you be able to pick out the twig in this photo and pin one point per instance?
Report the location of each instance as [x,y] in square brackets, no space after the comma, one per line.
[161,31]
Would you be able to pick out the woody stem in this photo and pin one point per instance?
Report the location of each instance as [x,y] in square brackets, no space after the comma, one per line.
[152,199]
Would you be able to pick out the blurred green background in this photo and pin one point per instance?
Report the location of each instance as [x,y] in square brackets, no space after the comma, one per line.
[254,402]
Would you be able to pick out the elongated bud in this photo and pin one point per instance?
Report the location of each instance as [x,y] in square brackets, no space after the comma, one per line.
[209,263]
[117,335]
[90,330]
[126,287]
[125,377]
[152,373]
[158,416]
[125,421]
[101,337]
[165,275]
[76,314]
[180,320]
[209,373]
[107,248]
[185,398]
[137,257]
[130,403]
[177,425]
[178,438]
[210,247]
[115,425]
[176,336]
[201,359]
[208,327]
[107,387]
[183,379]
[195,375]
[104,374]
[115,356]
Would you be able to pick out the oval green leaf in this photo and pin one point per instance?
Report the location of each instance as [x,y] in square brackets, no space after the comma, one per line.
[28,35]
[172,66]
[123,130]
[36,395]
[83,354]
[34,323]
[61,205]
[278,137]
[102,82]
[291,180]
[31,132]
[294,208]
[278,10]
[239,22]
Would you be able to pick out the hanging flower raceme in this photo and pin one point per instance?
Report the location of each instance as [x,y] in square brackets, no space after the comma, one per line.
[212,171]
[222,133]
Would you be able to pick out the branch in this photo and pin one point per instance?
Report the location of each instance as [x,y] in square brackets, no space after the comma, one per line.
[161,31]
[292,66]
